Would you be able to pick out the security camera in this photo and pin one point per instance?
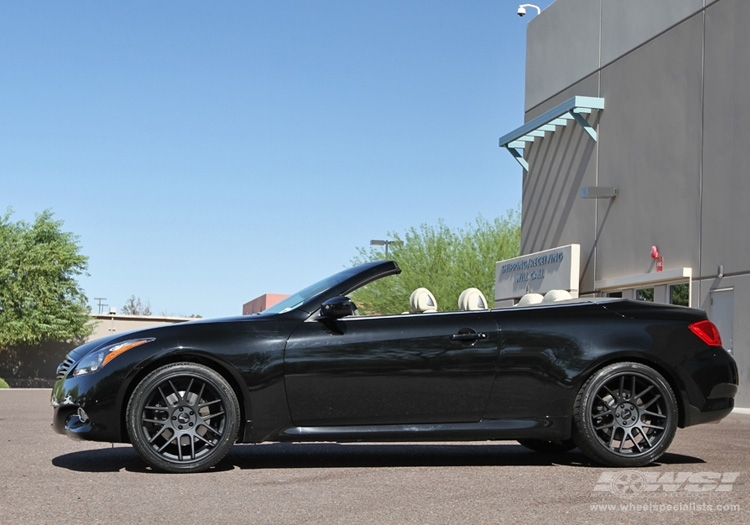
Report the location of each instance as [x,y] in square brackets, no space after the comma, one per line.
[522,9]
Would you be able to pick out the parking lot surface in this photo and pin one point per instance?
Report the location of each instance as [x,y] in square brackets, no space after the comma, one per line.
[48,478]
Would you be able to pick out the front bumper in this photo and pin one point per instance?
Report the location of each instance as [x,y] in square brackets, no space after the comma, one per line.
[84,410]
[76,425]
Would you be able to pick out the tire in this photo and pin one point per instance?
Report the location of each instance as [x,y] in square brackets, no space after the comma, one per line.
[548,447]
[183,417]
[625,415]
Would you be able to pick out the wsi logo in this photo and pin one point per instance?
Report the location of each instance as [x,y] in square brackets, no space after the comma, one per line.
[629,483]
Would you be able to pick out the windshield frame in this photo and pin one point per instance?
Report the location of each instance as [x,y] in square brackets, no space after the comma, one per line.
[309,299]
[299,298]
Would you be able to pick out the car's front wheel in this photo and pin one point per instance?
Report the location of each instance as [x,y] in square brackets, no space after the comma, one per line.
[183,417]
[625,415]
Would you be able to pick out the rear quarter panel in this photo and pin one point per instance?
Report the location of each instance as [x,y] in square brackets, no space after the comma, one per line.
[547,353]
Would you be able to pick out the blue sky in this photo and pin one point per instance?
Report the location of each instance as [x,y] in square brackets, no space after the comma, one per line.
[206,153]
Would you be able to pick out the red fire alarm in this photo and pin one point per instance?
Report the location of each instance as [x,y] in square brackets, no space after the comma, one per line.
[659,258]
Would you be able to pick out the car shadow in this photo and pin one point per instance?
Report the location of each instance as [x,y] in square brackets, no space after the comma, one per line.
[359,455]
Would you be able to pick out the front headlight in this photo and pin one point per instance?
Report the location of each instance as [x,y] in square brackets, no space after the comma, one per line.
[99,358]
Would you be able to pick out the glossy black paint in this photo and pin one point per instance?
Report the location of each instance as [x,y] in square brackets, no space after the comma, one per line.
[407,369]
[506,373]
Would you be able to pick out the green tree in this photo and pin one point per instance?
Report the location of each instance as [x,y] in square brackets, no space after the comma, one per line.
[40,299]
[443,260]
[134,306]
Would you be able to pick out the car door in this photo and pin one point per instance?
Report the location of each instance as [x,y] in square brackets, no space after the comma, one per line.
[417,368]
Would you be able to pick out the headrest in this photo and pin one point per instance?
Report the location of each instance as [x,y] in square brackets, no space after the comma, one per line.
[556,295]
[422,301]
[472,299]
[530,298]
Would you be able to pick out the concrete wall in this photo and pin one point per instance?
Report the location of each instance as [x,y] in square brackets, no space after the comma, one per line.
[108,324]
[35,366]
[575,38]
[673,138]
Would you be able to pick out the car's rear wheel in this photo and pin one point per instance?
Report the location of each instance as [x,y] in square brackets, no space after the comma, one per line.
[183,417]
[625,415]
[544,446]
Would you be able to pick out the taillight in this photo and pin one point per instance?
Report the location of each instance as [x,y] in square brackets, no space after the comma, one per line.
[707,332]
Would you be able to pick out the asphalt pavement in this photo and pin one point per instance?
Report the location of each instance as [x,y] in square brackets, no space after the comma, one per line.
[49,478]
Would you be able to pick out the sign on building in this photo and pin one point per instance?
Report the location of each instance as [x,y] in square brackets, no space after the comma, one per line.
[540,272]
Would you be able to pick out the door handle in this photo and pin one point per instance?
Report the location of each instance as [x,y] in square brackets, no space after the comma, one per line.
[468,336]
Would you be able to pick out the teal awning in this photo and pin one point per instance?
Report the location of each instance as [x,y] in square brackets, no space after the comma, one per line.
[570,110]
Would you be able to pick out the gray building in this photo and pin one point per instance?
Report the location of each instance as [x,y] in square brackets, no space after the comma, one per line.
[636,150]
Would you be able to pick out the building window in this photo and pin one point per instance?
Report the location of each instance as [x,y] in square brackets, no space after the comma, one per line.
[679,294]
[645,294]
[614,294]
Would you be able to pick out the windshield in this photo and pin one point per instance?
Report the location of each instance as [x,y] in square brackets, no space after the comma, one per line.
[301,297]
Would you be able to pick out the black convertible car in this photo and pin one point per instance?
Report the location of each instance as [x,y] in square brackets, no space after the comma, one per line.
[611,376]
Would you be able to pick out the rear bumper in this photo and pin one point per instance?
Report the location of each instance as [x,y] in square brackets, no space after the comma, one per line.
[713,385]
[716,411]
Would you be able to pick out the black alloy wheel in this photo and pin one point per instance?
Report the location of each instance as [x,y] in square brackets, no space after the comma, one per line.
[183,417]
[625,415]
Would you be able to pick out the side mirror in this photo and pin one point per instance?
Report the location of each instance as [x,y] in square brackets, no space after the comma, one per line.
[337,307]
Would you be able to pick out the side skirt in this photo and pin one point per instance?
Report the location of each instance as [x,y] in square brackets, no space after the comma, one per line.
[490,429]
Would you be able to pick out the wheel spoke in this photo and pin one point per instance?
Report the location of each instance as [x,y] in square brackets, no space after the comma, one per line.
[154,421]
[635,441]
[200,394]
[648,389]
[163,397]
[186,395]
[201,438]
[192,448]
[156,408]
[167,443]
[211,429]
[653,414]
[209,403]
[607,392]
[612,437]
[158,434]
[176,392]
[214,415]
[654,400]
[645,439]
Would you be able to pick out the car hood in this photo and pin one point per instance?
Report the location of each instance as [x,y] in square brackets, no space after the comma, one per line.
[156,331]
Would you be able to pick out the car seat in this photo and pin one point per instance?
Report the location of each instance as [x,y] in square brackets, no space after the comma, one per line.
[472,299]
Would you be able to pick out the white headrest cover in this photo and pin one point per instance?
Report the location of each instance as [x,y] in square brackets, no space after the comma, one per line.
[472,299]
[556,295]
[530,298]
[422,301]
